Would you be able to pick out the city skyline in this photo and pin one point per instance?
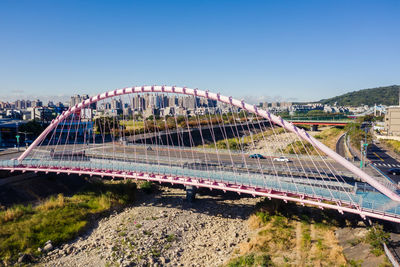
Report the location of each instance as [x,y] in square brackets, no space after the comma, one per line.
[252,99]
[294,51]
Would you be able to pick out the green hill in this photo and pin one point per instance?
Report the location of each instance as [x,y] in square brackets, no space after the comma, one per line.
[387,95]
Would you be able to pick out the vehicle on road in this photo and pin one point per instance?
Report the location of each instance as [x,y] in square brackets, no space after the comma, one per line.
[394,171]
[282,159]
[256,156]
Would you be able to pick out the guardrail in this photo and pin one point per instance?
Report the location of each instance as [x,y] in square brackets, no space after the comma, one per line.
[353,153]
[392,258]
[391,183]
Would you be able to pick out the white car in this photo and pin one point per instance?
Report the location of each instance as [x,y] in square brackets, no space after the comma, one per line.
[282,159]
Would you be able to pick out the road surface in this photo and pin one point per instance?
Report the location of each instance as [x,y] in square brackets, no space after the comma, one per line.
[381,160]
[340,146]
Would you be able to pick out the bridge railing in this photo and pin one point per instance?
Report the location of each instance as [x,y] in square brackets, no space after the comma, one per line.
[380,204]
[283,184]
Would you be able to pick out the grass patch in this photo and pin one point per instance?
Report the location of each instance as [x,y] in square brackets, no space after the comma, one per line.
[59,218]
[290,235]
[251,260]
[393,145]
[328,137]
[14,213]
[354,263]
[131,125]
[171,238]
[146,232]
[355,242]
[306,236]
[155,253]
[244,142]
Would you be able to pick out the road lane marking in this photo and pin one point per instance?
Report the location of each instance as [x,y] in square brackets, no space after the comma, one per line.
[378,156]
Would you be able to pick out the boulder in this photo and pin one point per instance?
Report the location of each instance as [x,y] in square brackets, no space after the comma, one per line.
[47,247]
[24,258]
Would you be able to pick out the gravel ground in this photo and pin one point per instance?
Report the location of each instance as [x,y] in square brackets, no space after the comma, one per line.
[163,229]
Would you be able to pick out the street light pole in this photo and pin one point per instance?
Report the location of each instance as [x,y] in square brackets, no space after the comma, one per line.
[364,148]
[17,136]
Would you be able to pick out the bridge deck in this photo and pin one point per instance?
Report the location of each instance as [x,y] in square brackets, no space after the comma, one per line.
[344,197]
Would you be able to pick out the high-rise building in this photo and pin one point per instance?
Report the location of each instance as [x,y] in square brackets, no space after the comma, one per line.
[116,103]
[20,104]
[37,103]
[76,99]
[139,102]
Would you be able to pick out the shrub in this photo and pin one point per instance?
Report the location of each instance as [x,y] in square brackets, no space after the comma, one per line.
[264,216]
[376,236]
[171,238]
[147,187]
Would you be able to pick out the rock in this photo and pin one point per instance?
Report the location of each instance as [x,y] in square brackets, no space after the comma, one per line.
[150,260]
[47,247]
[163,260]
[40,250]
[24,258]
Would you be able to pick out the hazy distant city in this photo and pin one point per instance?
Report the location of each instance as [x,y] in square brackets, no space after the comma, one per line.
[149,104]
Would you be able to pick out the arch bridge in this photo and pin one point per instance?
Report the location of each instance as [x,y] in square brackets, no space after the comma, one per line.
[197,138]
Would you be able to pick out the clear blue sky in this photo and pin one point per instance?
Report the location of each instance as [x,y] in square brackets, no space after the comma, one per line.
[303,50]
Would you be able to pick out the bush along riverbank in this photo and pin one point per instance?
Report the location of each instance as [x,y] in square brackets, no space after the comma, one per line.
[27,231]
[287,234]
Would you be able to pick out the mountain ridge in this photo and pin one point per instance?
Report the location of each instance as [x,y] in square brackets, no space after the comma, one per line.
[384,95]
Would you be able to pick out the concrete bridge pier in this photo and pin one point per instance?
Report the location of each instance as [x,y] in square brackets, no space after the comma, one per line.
[314,127]
[190,193]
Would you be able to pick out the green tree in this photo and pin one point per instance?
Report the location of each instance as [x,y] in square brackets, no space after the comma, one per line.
[32,127]
[316,113]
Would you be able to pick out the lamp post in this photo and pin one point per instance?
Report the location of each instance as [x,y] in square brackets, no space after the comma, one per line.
[364,148]
[17,136]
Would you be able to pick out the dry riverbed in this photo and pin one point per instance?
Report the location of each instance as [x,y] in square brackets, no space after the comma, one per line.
[163,229]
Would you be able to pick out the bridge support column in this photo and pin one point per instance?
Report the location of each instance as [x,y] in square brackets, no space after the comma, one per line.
[314,127]
[190,193]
